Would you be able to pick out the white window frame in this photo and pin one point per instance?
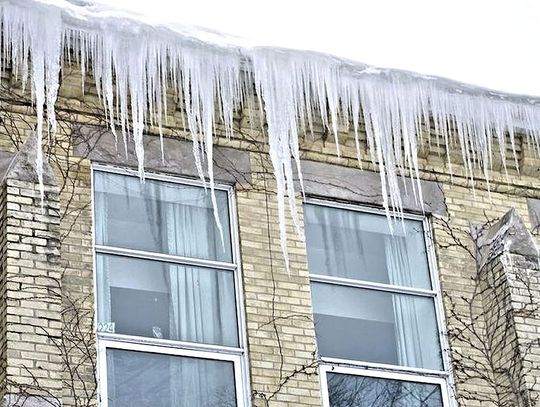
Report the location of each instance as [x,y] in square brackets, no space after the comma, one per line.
[379,374]
[379,370]
[236,355]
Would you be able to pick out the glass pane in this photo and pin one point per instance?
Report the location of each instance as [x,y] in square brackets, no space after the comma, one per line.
[166,301]
[376,326]
[361,246]
[153,380]
[361,391]
[159,216]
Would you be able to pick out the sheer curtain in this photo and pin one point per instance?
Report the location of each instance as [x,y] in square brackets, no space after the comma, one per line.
[407,324]
[202,300]
[335,242]
[202,303]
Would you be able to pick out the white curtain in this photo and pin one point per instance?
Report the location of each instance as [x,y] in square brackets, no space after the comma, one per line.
[406,313]
[334,241]
[202,301]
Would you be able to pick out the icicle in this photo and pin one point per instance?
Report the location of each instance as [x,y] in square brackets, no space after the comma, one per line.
[39,35]
[134,65]
[280,84]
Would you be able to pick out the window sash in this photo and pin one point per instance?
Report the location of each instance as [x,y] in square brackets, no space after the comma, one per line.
[106,250]
[104,344]
[186,303]
[233,264]
[350,244]
[369,285]
[169,258]
[402,328]
[324,369]
[149,206]
[169,343]
[360,365]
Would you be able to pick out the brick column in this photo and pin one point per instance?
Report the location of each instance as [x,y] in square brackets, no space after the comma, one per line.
[509,267]
[30,285]
[280,330]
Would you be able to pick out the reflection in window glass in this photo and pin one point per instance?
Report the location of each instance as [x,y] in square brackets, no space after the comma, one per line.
[362,391]
[154,380]
[361,246]
[160,216]
[166,300]
[376,326]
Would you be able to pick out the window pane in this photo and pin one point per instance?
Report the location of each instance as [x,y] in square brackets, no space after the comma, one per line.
[361,391]
[356,245]
[376,326]
[159,216]
[166,300]
[154,380]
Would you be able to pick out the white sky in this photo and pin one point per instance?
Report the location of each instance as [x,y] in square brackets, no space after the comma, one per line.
[490,43]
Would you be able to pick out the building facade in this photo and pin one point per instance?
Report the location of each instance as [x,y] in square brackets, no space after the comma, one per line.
[119,292]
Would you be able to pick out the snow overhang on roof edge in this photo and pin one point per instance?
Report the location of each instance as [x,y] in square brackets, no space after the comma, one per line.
[134,62]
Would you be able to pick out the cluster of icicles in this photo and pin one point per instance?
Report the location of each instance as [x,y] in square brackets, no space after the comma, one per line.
[135,64]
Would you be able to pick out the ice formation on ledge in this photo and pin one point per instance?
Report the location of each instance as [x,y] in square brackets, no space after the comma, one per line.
[134,64]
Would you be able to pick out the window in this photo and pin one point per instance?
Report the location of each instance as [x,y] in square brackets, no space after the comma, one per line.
[376,309]
[167,285]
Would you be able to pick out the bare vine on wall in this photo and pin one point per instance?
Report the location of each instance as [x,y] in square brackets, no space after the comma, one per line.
[485,350]
[310,367]
[75,346]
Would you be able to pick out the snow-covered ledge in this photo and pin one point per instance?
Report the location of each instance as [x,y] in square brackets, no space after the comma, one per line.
[135,63]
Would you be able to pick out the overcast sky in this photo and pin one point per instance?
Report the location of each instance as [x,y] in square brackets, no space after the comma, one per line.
[490,43]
